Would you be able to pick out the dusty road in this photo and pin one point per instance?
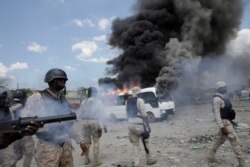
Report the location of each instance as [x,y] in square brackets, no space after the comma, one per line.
[181,141]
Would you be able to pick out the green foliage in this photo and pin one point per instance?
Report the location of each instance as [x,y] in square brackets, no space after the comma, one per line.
[82,92]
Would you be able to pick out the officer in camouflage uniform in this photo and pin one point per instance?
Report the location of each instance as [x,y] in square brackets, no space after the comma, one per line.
[92,114]
[25,147]
[222,108]
[54,147]
[138,127]
[7,155]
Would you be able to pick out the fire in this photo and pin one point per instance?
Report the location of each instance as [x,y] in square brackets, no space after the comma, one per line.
[109,96]
[124,90]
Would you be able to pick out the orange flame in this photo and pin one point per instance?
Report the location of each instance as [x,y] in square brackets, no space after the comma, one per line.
[117,91]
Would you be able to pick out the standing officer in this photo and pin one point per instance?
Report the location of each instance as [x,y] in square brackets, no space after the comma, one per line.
[7,156]
[54,147]
[224,114]
[25,147]
[92,114]
[138,127]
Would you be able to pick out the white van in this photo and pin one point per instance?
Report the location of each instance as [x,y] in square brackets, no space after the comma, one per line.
[157,108]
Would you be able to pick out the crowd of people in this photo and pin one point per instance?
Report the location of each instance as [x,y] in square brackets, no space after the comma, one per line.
[54,144]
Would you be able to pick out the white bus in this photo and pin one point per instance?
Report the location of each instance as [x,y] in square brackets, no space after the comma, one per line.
[156,108]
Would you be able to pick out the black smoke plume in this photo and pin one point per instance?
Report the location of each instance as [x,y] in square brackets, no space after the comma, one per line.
[162,38]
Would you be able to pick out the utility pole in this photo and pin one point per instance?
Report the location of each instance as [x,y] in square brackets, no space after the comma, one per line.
[17,84]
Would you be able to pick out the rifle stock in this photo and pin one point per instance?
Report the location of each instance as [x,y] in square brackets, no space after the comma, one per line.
[16,125]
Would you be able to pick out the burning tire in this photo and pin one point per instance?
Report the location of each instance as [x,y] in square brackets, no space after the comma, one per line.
[151,117]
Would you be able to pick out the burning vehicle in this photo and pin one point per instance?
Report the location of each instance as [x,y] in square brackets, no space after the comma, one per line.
[157,107]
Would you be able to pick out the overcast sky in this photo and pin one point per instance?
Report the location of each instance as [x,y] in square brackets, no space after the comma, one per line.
[36,35]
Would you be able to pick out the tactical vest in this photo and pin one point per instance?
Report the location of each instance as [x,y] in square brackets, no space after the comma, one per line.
[227,112]
[57,133]
[132,110]
[5,114]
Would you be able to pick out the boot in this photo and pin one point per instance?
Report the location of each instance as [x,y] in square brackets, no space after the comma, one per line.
[241,162]
[137,165]
[86,156]
[96,162]
[211,157]
[86,159]
[151,161]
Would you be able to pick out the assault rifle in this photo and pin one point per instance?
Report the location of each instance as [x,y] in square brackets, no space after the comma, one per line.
[21,123]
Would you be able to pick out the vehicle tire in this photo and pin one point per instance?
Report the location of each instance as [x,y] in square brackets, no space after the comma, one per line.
[151,117]
[112,118]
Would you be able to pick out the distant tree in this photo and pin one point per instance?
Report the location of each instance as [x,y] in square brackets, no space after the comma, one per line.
[82,93]
[28,91]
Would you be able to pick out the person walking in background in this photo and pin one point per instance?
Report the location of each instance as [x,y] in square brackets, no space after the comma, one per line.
[224,115]
[92,114]
[54,146]
[138,126]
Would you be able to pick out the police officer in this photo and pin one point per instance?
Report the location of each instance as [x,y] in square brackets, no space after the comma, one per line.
[92,114]
[25,147]
[7,156]
[138,127]
[222,108]
[54,147]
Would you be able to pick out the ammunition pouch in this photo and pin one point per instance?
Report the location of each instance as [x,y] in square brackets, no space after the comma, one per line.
[231,115]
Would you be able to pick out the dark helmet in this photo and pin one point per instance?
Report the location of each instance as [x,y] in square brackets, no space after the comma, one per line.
[92,91]
[53,74]
[6,95]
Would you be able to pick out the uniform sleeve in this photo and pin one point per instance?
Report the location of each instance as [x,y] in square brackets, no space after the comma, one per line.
[217,105]
[33,105]
[141,107]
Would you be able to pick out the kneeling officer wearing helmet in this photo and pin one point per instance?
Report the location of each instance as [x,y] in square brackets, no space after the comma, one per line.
[224,115]
[54,147]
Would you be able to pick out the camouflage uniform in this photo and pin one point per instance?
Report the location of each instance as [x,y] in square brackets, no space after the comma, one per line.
[54,147]
[7,157]
[232,137]
[135,127]
[92,114]
[25,147]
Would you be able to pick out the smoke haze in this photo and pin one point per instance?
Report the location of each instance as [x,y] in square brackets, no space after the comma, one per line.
[168,42]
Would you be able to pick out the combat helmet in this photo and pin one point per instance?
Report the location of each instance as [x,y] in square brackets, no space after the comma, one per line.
[55,73]
[6,94]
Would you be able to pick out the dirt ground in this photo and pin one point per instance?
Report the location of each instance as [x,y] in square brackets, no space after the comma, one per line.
[183,140]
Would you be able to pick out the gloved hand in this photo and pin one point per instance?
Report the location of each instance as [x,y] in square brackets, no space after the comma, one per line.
[84,148]
[31,129]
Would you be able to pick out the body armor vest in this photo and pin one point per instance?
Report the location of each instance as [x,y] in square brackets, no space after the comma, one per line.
[132,110]
[227,112]
[57,133]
